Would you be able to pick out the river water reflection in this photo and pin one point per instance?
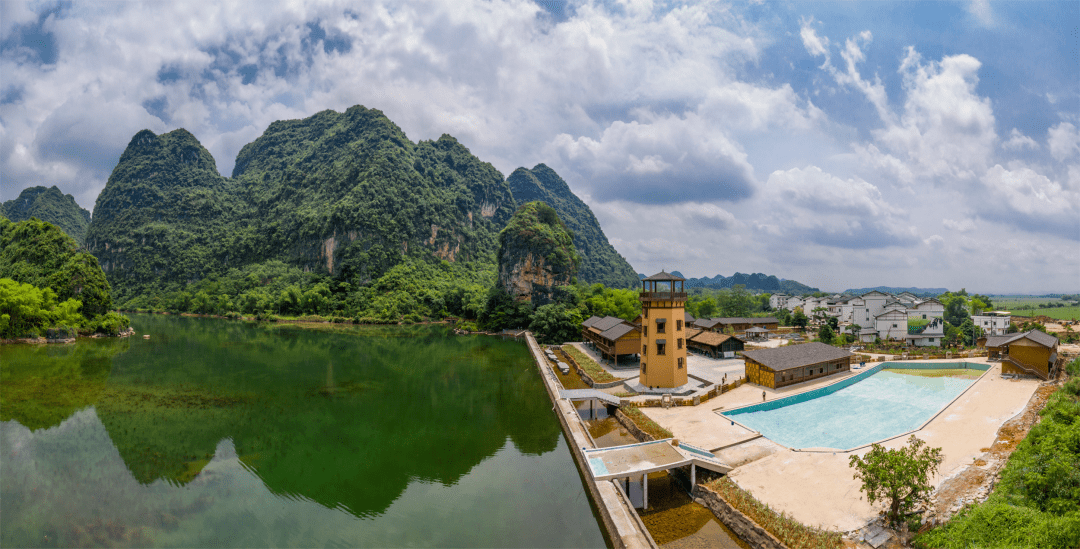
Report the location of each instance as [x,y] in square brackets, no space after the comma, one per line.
[224,433]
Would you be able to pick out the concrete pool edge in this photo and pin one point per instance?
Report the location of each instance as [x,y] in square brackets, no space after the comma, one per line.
[847,382]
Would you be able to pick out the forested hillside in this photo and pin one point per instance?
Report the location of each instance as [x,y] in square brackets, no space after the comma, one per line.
[343,194]
[49,204]
[600,262]
[45,282]
[338,214]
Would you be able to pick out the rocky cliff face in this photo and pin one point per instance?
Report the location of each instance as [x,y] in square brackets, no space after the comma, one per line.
[600,262]
[536,255]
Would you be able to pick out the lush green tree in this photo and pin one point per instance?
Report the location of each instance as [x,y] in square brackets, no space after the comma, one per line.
[956,307]
[826,334]
[706,308]
[26,310]
[599,300]
[900,478]
[970,332]
[501,311]
[799,319]
[953,334]
[556,323]
[783,316]
[40,254]
[735,301]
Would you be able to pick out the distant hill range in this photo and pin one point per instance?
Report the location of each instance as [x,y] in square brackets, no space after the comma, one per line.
[51,205]
[345,195]
[754,282]
[921,292]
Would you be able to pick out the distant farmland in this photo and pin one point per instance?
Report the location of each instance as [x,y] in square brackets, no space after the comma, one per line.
[1029,306]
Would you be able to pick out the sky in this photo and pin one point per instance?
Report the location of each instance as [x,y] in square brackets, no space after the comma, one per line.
[840,144]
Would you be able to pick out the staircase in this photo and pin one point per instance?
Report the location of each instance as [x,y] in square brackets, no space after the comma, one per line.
[1025,368]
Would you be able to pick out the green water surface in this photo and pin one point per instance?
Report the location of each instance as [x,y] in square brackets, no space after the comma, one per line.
[227,433]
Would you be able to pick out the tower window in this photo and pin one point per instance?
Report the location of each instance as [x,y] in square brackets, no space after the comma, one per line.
[679,341]
[660,324]
[680,364]
[645,328]
[661,348]
[678,325]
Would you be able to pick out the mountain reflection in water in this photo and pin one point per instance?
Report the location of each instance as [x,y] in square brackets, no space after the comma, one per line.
[226,433]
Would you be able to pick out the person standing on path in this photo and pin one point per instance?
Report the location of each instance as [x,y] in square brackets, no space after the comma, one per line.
[763,396]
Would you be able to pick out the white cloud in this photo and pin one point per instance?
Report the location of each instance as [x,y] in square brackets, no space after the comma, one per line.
[1063,140]
[660,160]
[934,241]
[1018,141]
[815,45]
[1032,201]
[852,55]
[830,211]
[980,9]
[962,225]
[946,129]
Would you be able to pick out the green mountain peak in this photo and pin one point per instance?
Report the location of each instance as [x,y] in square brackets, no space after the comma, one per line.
[51,205]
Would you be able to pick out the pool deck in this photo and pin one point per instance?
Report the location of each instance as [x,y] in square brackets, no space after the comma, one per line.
[818,489]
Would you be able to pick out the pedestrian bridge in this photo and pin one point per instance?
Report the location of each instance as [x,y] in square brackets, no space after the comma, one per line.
[589,394]
[631,460]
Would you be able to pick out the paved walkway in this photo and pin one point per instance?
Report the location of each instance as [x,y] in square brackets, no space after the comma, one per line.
[587,394]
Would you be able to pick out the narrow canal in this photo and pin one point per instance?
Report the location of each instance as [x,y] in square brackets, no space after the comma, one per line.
[673,519]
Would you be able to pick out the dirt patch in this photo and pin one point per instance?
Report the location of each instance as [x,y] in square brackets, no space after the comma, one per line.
[975,482]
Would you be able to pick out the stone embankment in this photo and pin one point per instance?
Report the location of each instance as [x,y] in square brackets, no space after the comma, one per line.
[620,521]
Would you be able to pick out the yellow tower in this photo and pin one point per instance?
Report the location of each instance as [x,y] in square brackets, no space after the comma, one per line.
[663,336]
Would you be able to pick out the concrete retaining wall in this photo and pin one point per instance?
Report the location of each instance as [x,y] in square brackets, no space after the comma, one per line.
[620,521]
[748,530]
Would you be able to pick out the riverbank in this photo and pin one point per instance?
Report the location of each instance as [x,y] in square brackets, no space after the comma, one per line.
[63,340]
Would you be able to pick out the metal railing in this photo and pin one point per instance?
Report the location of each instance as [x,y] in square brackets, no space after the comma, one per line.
[663,296]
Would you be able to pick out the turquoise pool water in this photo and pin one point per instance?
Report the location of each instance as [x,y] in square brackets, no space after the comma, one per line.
[876,406]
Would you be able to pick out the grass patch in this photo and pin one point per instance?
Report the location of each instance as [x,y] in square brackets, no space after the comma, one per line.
[590,366]
[791,532]
[966,373]
[644,423]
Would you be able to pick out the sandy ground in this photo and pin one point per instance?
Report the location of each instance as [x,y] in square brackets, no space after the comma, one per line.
[818,488]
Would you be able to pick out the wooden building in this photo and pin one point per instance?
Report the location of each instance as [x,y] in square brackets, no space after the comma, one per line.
[736,325]
[714,344]
[1024,353]
[792,364]
[663,337]
[611,336]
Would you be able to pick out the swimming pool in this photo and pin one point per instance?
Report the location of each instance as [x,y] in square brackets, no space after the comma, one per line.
[865,408]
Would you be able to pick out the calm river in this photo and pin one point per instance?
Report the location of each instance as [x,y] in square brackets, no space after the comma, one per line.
[226,433]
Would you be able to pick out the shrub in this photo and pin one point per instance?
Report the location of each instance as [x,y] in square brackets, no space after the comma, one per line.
[110,323]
